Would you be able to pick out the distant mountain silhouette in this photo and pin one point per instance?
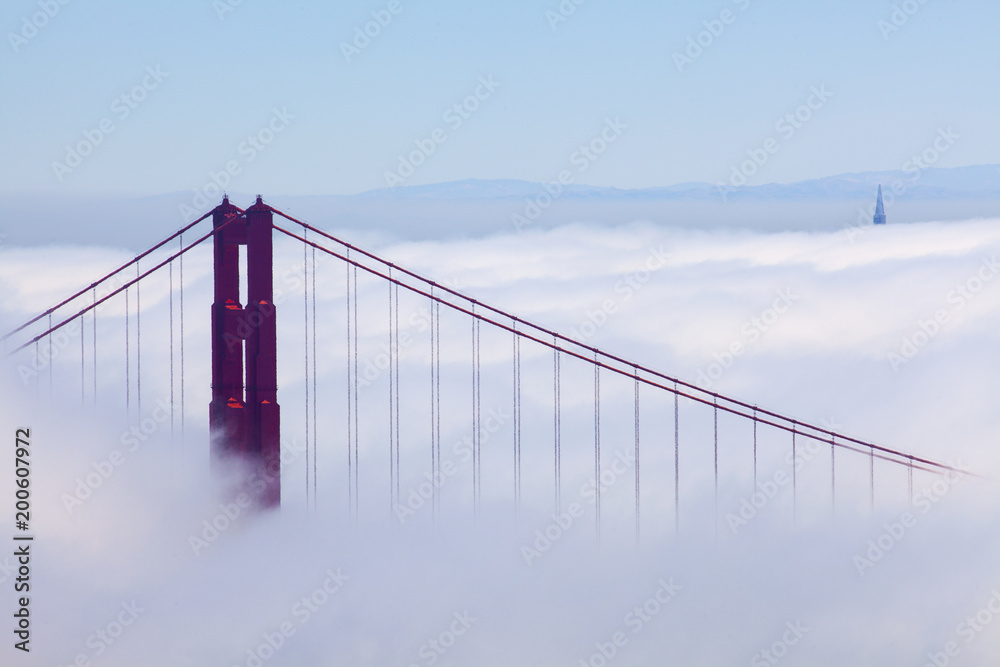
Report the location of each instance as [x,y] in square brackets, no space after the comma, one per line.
[476,207]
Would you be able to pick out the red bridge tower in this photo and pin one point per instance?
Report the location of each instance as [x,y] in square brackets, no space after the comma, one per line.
[244,415]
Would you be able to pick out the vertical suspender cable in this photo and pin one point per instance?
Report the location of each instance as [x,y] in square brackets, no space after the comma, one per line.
[871,469]
[356,396]
[433,410]
[514,387]
[350,395]
[475,423]
[315,402]
[305,333]
[180,286]
[516,342]
[51,356]
[597,448]
[94,311]
[138,347]
[556,425]
[637,524]
[437,386]
[677,461]
[715,450]
[82,361]
[833,473]
[396,380]
[520,414]
[479,415]
[315,399]
[909,479]
[128,380]
[794,478]
[392,430]
[171,346]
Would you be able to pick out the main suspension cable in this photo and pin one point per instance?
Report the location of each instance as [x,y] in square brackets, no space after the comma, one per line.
[83,291]
[818,434]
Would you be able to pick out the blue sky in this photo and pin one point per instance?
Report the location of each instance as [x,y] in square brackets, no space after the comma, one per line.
[346,120]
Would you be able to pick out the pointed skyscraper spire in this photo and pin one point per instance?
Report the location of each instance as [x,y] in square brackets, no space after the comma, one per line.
[879,209]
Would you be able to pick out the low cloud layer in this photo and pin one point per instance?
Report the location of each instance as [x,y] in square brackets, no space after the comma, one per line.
[887,334]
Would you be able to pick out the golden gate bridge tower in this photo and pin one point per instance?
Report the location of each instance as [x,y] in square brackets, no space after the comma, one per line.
[244,414]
